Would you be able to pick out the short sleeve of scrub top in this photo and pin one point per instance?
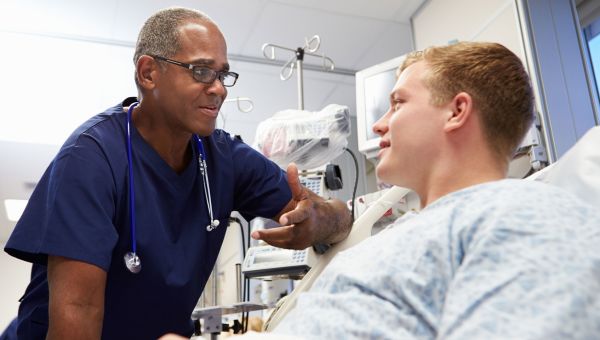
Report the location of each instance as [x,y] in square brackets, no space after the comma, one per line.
[254,177]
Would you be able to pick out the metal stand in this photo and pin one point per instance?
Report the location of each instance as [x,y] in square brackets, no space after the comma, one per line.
[310,47]
[211,316]
[239,101]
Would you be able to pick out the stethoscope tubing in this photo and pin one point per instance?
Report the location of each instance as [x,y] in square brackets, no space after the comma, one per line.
[204,172]
[132,260]
[131,184]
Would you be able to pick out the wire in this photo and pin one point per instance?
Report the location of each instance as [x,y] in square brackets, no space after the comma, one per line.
[246,290]
[355,180]
[239,222]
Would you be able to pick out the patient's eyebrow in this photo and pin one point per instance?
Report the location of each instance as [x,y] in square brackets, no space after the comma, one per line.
[398,93]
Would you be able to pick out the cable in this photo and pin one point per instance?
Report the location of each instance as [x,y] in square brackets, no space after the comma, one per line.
[355,180]
[244,247]
[246,284]
[247,290]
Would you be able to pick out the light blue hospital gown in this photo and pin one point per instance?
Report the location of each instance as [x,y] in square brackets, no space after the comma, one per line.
[510,259]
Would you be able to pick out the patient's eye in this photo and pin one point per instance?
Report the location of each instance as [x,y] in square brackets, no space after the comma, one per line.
[397,103]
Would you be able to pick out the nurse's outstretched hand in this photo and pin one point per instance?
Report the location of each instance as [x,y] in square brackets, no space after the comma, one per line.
[307,219]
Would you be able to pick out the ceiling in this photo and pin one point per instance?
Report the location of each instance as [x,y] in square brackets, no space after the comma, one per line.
[355,34]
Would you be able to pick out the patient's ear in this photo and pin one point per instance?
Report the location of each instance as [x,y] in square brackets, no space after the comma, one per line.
[460,110]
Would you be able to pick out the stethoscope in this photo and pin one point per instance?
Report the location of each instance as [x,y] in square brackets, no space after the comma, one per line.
[132,260]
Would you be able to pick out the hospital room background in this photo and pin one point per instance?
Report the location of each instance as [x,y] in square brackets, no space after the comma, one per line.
[66,60]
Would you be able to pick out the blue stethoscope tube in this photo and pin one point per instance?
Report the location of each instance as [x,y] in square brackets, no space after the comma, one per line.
[132,260]
[204,172]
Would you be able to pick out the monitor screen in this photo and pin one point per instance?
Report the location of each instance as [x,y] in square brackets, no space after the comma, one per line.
[373,87]
[377,89]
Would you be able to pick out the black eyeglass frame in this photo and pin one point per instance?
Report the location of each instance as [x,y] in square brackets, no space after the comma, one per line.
[214,74]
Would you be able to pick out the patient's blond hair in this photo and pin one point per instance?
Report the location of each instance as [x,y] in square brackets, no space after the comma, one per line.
[496,80]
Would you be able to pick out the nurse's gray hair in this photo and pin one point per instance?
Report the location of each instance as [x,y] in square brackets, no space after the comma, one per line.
[160,33]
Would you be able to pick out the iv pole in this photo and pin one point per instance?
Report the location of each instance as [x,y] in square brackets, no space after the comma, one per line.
[239,101]
[249,106]
[310,47]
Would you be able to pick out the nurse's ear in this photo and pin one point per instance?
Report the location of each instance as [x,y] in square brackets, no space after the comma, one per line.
[146,71]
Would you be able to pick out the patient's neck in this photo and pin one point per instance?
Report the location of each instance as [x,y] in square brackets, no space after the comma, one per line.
[455,173]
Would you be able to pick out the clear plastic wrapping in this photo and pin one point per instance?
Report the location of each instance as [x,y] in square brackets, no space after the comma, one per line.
[309,139]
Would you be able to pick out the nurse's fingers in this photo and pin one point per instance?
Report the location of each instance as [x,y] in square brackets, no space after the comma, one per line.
[298,192]
[303,211]
[282,237]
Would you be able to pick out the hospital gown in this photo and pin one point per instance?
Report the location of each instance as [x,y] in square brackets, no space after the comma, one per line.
[507,259]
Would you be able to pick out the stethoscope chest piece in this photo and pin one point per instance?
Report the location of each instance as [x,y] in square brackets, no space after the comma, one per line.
[132,262]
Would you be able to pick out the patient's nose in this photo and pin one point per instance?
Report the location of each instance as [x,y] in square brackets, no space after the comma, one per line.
[381,125]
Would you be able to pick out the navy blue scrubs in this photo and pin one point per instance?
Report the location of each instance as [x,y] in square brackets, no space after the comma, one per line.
[80,210]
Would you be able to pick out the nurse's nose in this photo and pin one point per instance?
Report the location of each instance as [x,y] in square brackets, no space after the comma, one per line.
[217,88]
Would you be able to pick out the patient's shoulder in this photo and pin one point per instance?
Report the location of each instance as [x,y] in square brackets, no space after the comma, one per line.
[511,192]
[515,204]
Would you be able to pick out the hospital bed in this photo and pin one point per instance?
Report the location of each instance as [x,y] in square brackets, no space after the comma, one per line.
[577,171]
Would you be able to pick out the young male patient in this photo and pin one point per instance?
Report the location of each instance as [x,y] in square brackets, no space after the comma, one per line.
[486,257]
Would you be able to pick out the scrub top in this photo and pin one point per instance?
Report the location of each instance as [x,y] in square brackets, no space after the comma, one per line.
[80,210]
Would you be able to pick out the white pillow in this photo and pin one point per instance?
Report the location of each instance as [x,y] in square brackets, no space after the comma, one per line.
[578,170]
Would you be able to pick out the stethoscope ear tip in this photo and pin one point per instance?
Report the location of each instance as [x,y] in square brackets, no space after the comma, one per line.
[213,225]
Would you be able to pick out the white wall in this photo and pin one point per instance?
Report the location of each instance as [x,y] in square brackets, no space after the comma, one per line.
[469,20]
[54,84]
[52,95]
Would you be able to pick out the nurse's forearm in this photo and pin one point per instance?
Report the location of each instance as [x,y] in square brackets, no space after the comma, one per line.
[75,322]
[76,305]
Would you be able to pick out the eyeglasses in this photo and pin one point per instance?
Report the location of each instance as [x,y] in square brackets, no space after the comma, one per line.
[204,74]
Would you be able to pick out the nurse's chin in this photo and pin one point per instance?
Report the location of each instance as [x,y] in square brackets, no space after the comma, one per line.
[205,130]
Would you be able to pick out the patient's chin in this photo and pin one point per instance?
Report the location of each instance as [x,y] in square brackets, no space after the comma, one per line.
[386,176]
